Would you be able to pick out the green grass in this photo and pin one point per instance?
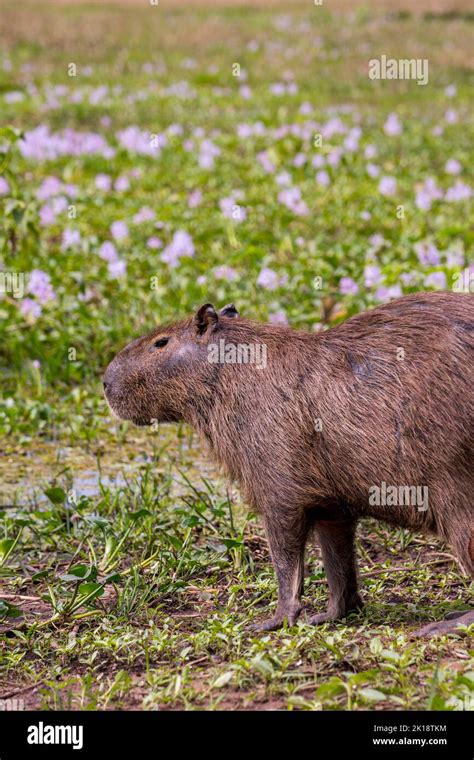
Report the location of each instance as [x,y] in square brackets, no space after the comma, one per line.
[130,573]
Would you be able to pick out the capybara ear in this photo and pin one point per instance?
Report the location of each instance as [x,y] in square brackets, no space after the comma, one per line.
[229,311]
[205,319]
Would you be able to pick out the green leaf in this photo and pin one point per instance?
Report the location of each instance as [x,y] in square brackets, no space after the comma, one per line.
[80,573]
[56,495]
[373,695]
[9,610]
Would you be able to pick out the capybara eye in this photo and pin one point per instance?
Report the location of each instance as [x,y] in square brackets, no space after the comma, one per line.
[160,343]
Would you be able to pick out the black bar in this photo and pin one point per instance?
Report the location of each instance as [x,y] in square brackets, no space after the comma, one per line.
[249,734]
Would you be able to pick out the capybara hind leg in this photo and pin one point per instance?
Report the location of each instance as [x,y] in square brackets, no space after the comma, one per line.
[463,545]
[287,539]
[446,626]
[336,540]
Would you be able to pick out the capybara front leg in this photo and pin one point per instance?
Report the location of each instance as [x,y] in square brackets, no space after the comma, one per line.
[336,540]
[287,538]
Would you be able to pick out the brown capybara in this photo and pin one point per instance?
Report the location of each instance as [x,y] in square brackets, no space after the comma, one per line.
[372,418]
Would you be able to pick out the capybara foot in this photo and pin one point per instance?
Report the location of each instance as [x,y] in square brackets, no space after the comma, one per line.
[332,615]
[450,625]
[275,622]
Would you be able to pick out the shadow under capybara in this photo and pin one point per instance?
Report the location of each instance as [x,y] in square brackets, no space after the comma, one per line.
[372,418]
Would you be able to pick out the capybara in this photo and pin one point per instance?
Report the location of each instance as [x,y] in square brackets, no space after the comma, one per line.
[372,418]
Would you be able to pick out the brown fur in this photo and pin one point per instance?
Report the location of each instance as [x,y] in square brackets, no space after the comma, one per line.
[403,418]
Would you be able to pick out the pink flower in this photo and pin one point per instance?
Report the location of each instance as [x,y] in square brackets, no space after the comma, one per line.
[119,230]
[347,286]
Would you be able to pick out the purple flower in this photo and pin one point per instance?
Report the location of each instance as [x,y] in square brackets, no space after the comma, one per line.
[454,259]
[299,160]
[47,215]
[29,308]
[154,242]
[41,145]
[322,178]
[225,273]
[39,285]
[194,198]
[435,280]
[370,151]
[427,193]
[452,166]
[428,254]
[71,239]
[143,143]
[117,268]
[108,251]
[49,187]
[181,246]
[387,294]
[119,230]
[231,209]
[283,179]
[265,162]
[208,152]
[291,198]
[103,182]
[392,126]
[145,214]
[373,170]
[122,184]
[458,192]
[4,186]
[347,286]
[268,279]
[372,275]
[388,186]
[278,318]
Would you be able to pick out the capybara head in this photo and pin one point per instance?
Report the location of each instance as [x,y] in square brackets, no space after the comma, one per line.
[157,377]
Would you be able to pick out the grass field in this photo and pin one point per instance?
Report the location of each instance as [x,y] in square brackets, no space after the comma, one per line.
[155,158]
